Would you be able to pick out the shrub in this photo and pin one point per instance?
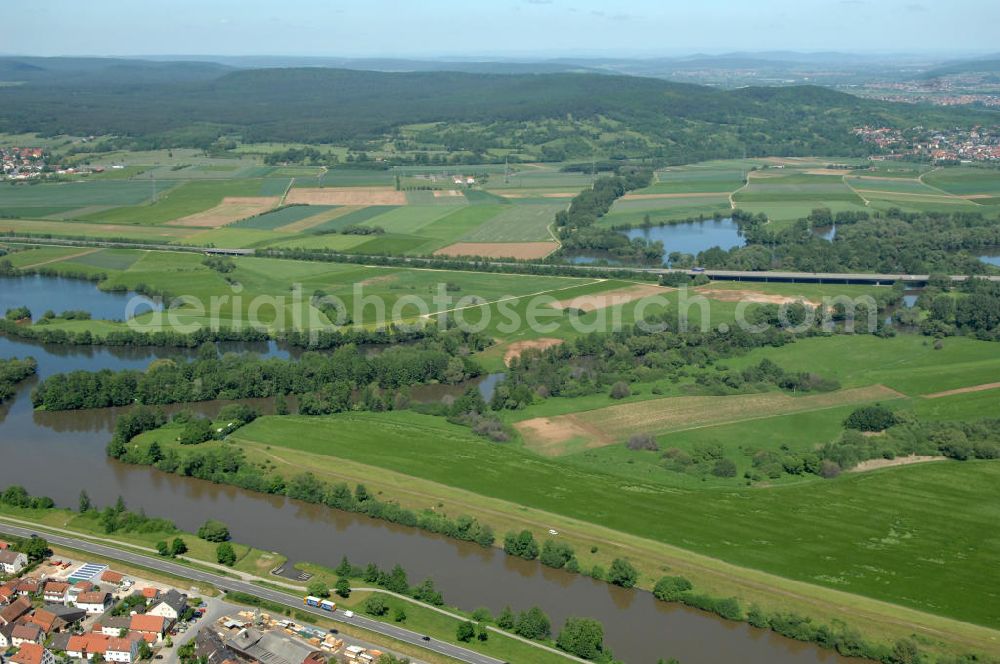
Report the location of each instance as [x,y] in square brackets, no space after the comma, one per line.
[724,468]
[622,573]
[376,606]
[642,441]
[620,390]
[214,531]
[555,554]
[670,588]
[583,637]
[522,545]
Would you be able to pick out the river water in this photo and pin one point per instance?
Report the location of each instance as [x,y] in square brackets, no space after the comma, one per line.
[58,454]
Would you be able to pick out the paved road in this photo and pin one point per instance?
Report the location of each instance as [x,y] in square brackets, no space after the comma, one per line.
[227,584]
[722,275]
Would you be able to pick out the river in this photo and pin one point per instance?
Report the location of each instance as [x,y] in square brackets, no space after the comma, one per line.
[58,454]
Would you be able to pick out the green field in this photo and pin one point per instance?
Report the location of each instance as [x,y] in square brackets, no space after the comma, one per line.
[965,181]
[186,199]
[278,218]
[518,223]
[854,533]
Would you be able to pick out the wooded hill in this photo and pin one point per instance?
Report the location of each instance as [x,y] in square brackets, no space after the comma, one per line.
[188,103]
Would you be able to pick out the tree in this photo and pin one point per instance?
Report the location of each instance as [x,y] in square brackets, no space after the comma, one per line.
[533,624]
[399,614]
[344,568]
[465,632]
[196,431]
[870,418]
[214,531]
[555,554]
[724,468]
[85,503]
[225,554]
[35,548]
[506,618]
[162,549]
[522,545]
[376,606]
[145,652]
[343,587]
[482,632]
[670,588]
[622,573]
[583,637]
[178,547]
[318,589]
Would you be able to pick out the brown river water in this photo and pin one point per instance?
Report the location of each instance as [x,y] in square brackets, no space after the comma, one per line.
[58,454]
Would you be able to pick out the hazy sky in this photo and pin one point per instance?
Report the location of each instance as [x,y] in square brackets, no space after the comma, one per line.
[512,27]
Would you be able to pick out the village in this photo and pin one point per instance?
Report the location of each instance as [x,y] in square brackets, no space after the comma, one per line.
[977,144]
[62,610]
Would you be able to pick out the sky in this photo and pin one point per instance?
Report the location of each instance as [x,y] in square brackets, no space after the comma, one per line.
[512,28]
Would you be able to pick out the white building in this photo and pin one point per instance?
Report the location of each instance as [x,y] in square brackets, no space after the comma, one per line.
[12,562]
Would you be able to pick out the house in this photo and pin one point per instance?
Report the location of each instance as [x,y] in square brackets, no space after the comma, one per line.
[122,650]
[12,562]
[67,614]
[32,653]
[112,625]
[150,593]
[28,587]
[47,621]
[55,592]
[14,610]
[4,545]
[94,601]
[26,633]
[7,593]
[115,578]
[86,646]
[76,589]
[152,628]
[169,605]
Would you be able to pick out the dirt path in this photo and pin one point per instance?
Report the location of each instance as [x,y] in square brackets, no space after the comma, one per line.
[856,192]
[60,258]
[963,390]
[746,183]
[875,464]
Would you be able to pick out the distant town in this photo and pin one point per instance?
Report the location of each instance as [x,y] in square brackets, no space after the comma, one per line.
[977,144]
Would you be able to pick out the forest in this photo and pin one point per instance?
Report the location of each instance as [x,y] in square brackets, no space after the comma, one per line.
[194,104]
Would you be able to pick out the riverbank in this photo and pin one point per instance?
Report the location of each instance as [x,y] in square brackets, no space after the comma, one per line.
[878,621]
[439,623]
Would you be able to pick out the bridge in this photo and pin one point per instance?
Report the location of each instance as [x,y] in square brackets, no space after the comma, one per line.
[771,276]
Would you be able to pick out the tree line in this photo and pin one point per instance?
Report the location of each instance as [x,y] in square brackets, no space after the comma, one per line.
[328,379]
[12,372]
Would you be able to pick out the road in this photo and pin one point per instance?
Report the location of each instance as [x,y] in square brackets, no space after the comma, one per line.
[228,584]
[582,270]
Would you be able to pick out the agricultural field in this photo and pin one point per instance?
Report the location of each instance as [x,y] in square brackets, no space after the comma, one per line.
[737,525]
[182,196]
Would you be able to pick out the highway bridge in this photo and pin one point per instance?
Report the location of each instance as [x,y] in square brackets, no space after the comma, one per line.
[771,276]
